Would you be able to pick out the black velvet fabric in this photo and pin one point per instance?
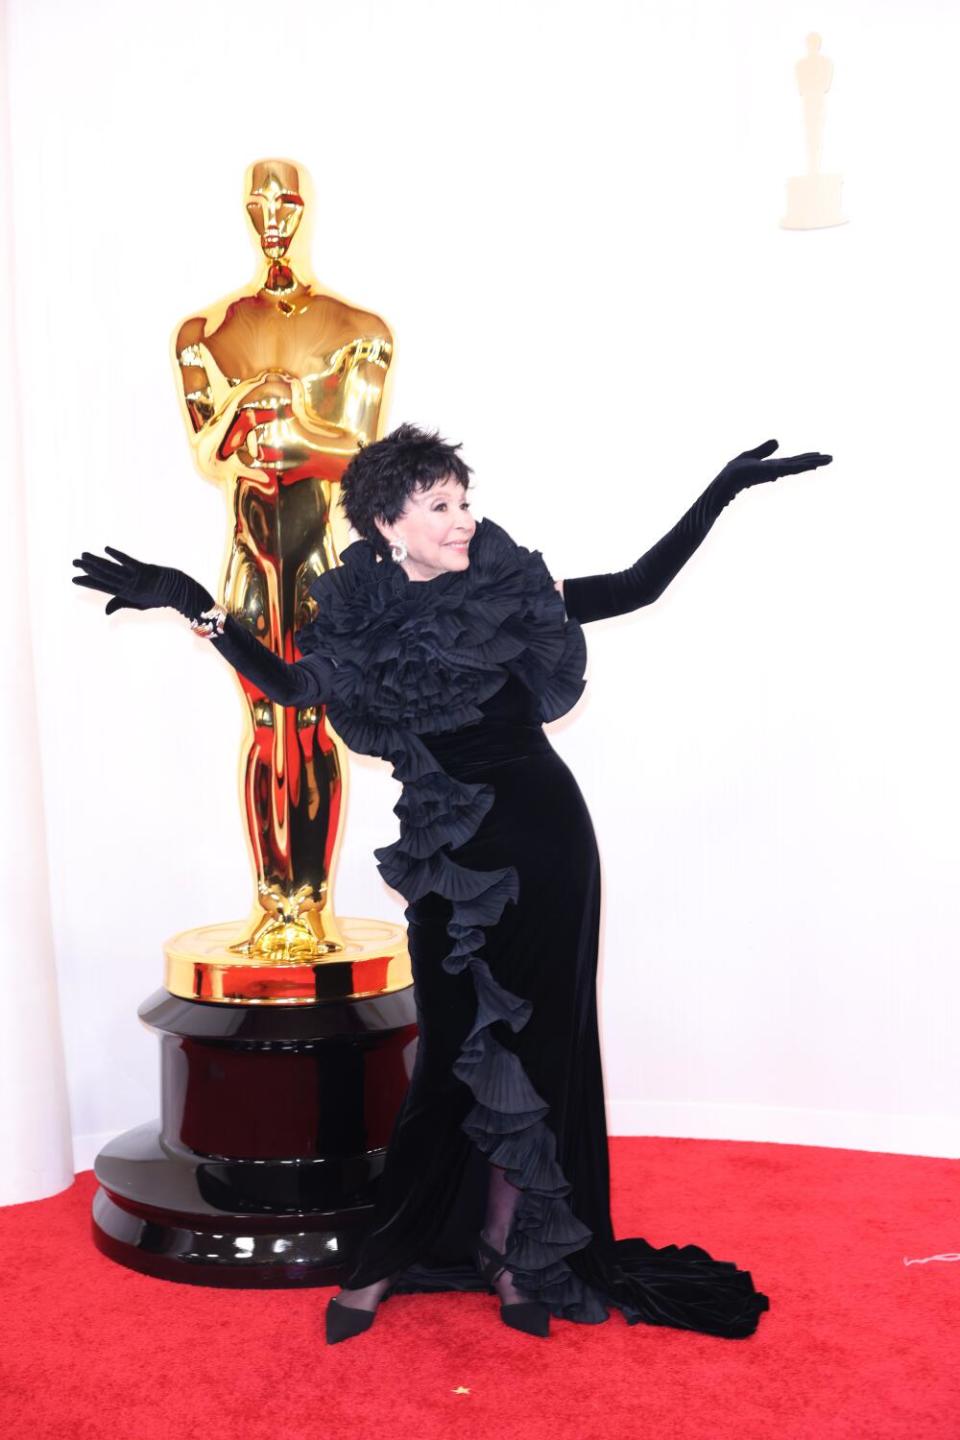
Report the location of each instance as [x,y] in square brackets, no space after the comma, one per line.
[452,681]
[543,950]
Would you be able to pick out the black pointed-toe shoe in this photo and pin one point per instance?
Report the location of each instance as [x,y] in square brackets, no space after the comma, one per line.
[345,1321]
[530,1316]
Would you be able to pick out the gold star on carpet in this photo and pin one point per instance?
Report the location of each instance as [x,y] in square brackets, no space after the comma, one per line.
[460,1390]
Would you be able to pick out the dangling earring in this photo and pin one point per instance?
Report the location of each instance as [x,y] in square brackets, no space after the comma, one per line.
[398,552]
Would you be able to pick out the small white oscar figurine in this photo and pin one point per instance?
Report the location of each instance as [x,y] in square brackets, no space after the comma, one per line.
[813,200]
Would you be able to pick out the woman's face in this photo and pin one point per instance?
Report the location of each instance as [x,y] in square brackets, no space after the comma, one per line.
[436,528]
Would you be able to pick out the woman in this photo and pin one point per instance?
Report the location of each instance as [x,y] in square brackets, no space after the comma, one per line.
[443,646]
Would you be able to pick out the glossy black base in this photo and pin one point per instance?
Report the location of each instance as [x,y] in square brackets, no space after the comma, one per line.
[275,1121]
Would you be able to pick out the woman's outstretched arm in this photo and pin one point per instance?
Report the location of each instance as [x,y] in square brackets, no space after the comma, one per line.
[136,585]
[300,682]
[597,597]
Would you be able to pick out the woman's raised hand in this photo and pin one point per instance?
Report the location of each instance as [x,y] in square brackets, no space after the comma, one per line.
[136,585]
[753,467]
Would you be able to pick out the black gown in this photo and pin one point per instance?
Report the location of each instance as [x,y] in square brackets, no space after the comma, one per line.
[544,949]
[508,1066]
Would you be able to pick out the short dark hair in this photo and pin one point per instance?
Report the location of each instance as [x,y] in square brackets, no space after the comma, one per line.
[382,476]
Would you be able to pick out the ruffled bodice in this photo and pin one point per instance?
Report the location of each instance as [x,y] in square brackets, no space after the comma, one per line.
[421,656]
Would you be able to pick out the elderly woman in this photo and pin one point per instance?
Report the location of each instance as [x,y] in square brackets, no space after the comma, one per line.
[443,646]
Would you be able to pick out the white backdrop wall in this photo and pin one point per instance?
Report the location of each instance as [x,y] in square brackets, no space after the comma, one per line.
[35,1139]
[570,218]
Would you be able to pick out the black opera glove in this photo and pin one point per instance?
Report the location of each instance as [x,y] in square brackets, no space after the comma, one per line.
[597,597]
[300,682]
[135,585]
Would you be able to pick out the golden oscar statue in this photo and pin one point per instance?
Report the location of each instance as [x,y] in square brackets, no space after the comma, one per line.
[280,383]
[287,1038]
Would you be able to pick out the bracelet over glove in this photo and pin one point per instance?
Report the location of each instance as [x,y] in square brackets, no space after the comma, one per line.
[136,585]
[597,597]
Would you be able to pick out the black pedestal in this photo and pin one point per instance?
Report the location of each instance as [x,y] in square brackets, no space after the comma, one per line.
[274,1126]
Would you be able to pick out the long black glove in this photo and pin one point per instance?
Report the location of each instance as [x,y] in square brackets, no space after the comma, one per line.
[136,585]
[597,597]
[299,682]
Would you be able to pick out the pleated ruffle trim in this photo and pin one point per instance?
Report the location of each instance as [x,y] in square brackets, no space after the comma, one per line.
[508,1121]
[417,658]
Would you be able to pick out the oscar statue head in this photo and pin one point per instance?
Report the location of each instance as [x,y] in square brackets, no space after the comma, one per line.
[275,204]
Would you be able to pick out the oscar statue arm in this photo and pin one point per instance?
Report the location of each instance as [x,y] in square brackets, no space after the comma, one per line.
[211,401]
[597,597]
[325,420]
[137,585]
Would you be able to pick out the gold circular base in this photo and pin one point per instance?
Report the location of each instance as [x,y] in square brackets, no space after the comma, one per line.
[201,965]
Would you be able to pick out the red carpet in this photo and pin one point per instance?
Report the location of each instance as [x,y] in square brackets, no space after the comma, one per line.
[855,1344]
